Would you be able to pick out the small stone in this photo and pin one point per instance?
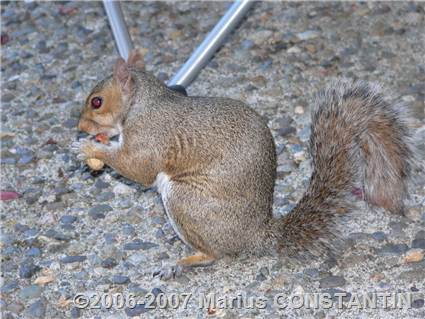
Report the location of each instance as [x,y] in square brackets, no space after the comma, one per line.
[51,233]
[377,276]
[137,310]
[308,35]
[37,309]
[105,197]
[109,263]
[67,219]
[137,258]
[156,291]
[294,50]
[73,259]
[392,250]
[9,287]
[75,312]
[21,228]
[312,273]
[27,270]
[15,307]
[33,252]
[138,244]
[71,123]
[379,236]
[247,44]
[418,243]
[98,212]
[420,234]
[417,303]
[101,184]
[122,189]
[284,131]
[332,282]
[29,292]
[137,290]
[299,110]
[414,214]
[120,279]
[25,159]
[414,255]
[262,274]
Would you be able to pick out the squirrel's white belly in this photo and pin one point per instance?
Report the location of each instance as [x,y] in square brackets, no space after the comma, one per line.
[164,187]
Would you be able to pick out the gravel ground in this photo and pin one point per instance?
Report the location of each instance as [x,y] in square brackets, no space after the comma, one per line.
[72,231]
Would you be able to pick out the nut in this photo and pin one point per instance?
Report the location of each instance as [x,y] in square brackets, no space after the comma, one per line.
[95,164]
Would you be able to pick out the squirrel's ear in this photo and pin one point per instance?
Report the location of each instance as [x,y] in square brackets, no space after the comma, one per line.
[135,59]
[122,75]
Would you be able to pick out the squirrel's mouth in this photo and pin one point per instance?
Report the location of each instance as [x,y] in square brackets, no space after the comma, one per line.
[93,128]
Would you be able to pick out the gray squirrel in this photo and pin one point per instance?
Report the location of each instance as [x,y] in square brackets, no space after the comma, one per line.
[213,161]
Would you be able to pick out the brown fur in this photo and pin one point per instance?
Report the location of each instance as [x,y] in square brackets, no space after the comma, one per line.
[220,158]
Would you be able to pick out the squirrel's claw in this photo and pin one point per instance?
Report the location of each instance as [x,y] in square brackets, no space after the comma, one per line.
[169,272]
[83,148]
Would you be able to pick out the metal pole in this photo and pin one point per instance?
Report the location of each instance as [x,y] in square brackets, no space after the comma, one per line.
[119,28]
[211,43]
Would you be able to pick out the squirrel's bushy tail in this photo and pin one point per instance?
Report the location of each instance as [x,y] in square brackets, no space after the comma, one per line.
[359,140]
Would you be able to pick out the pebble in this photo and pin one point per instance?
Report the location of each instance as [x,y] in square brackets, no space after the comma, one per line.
[33,291]
[25,159]
[33,252]
[109,263]
[67,219]
[120,279]
[122,189]
[414,255]
[137,258]
[37,309]
[294,50]
[392,250]
[308,35]
[332,282]
[137,310]
[9,287]
[15,307]
[75,312]
[98,211]
[299,110]
[27,270]
[418,303]
[105,197]
[379,236]
[73,259]
[100,184]
[138,244]
[52,233]
[418,243]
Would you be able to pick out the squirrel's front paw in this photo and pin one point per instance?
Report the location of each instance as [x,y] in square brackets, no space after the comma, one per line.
[84,149]
[169,272]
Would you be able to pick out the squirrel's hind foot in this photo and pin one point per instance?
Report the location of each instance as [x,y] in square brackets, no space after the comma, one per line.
[182,265]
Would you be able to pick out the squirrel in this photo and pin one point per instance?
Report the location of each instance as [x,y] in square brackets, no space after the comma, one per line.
[213,161]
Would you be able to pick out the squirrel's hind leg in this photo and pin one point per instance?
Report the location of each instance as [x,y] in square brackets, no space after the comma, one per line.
[197,260]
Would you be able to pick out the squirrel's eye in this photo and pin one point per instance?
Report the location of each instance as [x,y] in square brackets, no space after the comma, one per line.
[96,102]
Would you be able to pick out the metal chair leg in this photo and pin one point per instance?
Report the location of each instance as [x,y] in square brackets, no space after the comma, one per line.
[119,28]
[211,43]
[199,57]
